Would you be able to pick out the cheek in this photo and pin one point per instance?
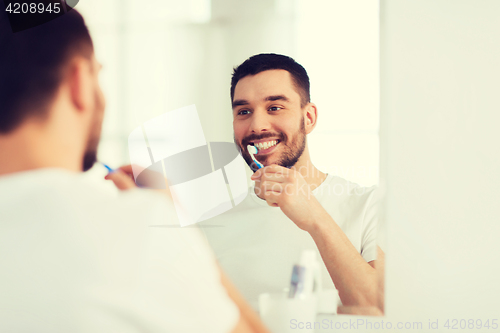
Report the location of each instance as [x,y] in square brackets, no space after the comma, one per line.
[239,130]
[284,125]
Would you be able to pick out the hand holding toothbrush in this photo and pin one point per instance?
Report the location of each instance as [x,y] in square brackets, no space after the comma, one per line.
[121,177]
[288,190]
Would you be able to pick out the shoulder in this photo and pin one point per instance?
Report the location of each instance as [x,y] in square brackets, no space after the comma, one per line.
[344,190]
[61,195]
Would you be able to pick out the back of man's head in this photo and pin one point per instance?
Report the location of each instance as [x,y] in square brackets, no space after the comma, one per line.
[269,61]
[32,64]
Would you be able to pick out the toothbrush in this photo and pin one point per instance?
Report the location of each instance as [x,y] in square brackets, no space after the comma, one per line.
[110,170]
[254,150]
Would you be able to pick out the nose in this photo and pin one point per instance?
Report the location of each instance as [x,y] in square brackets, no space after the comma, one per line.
[260,122]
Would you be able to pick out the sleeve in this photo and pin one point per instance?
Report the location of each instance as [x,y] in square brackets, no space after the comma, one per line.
[370,226]
[182,283]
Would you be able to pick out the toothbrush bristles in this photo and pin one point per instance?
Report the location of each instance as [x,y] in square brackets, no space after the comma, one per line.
[252,149]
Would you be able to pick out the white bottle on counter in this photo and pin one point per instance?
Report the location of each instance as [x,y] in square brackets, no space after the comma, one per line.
[312,276]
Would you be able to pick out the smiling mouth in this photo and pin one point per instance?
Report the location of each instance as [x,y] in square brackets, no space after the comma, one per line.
[264,146]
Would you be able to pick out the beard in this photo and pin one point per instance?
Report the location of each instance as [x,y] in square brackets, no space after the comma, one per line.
[89,159]
[90,154]
[292,150]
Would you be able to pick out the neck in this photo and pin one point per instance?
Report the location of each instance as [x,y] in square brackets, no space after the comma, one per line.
[37,145]
[313,176]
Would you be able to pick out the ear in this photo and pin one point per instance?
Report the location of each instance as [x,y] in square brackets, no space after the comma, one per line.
[310,117]
[79,80]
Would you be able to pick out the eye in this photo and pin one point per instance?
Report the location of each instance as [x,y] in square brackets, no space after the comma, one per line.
[243,112]
[275,108]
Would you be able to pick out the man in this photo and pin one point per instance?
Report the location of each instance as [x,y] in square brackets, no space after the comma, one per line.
[293,206]
[73,258]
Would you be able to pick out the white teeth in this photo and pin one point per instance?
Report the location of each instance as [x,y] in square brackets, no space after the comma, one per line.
[266,145]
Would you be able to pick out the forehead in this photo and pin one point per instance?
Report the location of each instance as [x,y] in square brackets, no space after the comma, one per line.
[266,83]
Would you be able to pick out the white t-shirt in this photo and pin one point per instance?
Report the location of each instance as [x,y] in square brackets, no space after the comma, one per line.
[257,245]
[75,259]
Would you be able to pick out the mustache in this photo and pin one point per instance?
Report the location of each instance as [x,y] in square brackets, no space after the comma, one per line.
[254,137]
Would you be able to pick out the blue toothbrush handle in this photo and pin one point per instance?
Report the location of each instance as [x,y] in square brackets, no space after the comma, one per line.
[107,167]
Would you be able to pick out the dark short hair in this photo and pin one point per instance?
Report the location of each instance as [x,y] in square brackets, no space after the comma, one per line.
[32,64]
[268,61]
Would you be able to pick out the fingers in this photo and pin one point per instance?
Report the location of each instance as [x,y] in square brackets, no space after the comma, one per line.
[270,192]
[121,180]
[271,182]
[126,169]
[277,177]
[272,198]
[129,170]
[270,186]
[274,177]
[270,170]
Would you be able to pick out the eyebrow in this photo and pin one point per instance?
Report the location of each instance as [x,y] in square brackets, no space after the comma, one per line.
[239,102]
[277,98]
[272,98]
